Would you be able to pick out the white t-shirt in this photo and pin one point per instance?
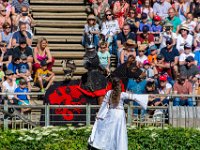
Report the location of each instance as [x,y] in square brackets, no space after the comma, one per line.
[9,88]
[141,59]
[163,91]
[165,36]
[110,27]
[183,56]
[181,41]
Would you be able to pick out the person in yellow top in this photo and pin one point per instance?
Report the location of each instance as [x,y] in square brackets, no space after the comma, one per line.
[43,77]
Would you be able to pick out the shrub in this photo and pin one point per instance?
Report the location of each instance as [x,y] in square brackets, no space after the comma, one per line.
[70,138]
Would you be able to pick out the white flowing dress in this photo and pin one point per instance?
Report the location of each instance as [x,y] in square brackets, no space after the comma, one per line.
[109,131]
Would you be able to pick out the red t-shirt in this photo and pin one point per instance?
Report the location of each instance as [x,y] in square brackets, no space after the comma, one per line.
[147,40]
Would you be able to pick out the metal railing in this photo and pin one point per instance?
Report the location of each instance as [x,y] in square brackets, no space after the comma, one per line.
[44,115]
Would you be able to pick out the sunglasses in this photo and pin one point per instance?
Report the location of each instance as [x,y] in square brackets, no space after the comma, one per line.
[10,74]
[108,14]
[183,30]
[91,19]
[132,12]
[8,27]
[103,47]
[3,10]
[141,51]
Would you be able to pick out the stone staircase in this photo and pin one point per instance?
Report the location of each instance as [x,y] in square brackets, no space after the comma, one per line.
[62,23]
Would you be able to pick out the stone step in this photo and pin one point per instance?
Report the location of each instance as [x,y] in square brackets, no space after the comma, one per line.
[60,39]
[57,2]
[41,15]
[60,23]
[57,8]
[78,71]
[67,54]
[58,31]
[62,47]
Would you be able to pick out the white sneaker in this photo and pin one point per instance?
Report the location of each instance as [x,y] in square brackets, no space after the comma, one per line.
[30,79]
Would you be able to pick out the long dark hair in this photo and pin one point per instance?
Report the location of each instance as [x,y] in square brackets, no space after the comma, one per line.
[116,91]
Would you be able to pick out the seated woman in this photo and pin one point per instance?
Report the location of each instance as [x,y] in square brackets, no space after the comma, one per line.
[110,29]
[3,17]
[6,34]
[91,32]
[41,53]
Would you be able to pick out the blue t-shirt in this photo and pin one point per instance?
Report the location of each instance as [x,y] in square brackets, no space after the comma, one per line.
[136,87]
[19,90]
[23,68]
[156,28]
[142,24]
[197,57]
[18,35]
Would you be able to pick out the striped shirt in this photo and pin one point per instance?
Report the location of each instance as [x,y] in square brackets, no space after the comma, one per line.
[17,5]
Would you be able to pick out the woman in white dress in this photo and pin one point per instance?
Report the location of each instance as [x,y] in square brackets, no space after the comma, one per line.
[109,131]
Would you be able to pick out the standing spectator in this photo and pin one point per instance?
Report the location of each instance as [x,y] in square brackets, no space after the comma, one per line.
[41,53]
[183,38]
[173,19]
[168,34]
[104,57]
[110,29]
[6,35]
[146,8]
[144,22]
[160,8]
[91,32]
[22,33]
[133,20]
[24,49]
[120,10]
[3,17]
[183,7]
[100,7]
[26,18]
[123,36]
[183,86]
[44,78]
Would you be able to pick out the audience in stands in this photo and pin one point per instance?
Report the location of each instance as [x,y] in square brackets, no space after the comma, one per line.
[3,17]
[6,35]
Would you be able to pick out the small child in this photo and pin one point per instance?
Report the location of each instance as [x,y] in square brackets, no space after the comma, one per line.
[147,69]
[144,21]
[157,28]
[104,57]
[152,57]
[22,70]
[44,78]
[23,99]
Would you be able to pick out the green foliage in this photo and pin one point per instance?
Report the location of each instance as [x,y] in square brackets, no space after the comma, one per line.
[70,138]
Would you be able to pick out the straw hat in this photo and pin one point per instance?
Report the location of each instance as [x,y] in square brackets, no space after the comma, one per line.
[130,43]
[185,27]
[91,16]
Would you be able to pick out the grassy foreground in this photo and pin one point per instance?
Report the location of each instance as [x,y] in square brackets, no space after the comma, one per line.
[70,138]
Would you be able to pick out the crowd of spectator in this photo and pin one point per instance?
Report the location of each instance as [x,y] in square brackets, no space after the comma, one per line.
[161,37]
[19,62]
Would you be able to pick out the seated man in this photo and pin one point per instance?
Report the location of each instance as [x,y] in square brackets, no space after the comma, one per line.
[189,69]
[123,36]
[23,49]
[21,34]
[183,86]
